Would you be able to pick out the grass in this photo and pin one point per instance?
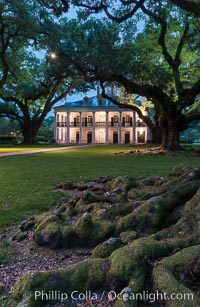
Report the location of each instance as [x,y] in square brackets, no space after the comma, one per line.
[27,181]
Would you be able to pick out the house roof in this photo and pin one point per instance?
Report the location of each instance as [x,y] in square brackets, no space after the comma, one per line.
[91,102]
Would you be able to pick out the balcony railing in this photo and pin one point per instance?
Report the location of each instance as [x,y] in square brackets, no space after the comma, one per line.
[75,124]
[113,124]
[61,124]
[126,124]
[140,124]
[87,124]
[100,124]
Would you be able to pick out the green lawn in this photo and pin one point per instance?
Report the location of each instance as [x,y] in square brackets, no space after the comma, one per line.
[27,181]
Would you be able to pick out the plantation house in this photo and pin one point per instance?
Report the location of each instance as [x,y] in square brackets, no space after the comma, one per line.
[98,121]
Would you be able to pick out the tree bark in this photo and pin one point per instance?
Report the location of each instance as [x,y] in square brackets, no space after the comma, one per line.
[30,131]
[173,135]
[156,134]
[29,136]
[170,133]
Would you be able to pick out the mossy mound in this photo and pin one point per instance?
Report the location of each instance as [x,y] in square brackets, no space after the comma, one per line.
[49,232]
[123,182]
[128,236]
[79,277]
[106,248]
[165,281]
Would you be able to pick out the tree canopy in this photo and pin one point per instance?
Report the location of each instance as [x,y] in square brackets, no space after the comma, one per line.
[159,62]
[117,10]
[31,81]
[149,48]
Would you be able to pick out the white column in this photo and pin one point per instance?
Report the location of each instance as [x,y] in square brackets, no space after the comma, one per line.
[68,129]
[55,127]
[149,136]
[107,126]
[80,130]
[93,128]
[120,127]
[134,128]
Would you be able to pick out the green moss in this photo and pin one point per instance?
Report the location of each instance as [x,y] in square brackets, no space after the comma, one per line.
[82,207]
[135,193]
[87,275]
[179,170]
[68,236]
[128,263]
[128,236]
[27,224]
[22,286]
[151,215]
[77,277]
[118,196]
[165,281]
[67,213]
[106,248]
[49,232]
[93,232]
[139,218]
[117,210]
[90,197]
[19,236]
[84,226]
[123,182]
[100,231]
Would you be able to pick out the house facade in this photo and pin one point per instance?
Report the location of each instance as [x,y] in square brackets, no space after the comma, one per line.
[97,121]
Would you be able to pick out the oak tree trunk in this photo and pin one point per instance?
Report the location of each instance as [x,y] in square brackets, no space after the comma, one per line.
[170,134]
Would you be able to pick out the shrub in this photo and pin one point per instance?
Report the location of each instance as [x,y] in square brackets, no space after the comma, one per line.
[10,139]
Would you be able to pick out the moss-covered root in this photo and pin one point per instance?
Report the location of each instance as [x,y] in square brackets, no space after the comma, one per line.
[186,232]
[106,248]
[153,214]
[165,281]
[77,277]
[128,264]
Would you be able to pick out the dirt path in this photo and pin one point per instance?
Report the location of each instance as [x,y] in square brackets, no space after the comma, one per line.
[29,152]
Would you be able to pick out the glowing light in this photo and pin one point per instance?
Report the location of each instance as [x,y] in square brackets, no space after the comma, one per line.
[53,55]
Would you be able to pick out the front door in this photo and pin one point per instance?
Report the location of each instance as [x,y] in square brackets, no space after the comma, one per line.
[141,137]
[101,137]
[115,137]
[77,137]
[127,137]
[89,137]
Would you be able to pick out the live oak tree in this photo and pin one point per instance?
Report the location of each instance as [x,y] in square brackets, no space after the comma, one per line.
[146,110]
[149,64]
[170,79]
[160,62]
[31,82]
[30,94]
[60,6]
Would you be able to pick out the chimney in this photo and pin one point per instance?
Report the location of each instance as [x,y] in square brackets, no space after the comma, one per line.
[112,90]
[99,97]
[98,91]
[85,101]
[100,100]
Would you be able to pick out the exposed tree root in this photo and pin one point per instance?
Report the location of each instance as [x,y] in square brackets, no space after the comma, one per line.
[138,228]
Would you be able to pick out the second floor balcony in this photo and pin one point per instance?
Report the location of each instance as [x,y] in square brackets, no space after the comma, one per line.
[100,124]
[61,124]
